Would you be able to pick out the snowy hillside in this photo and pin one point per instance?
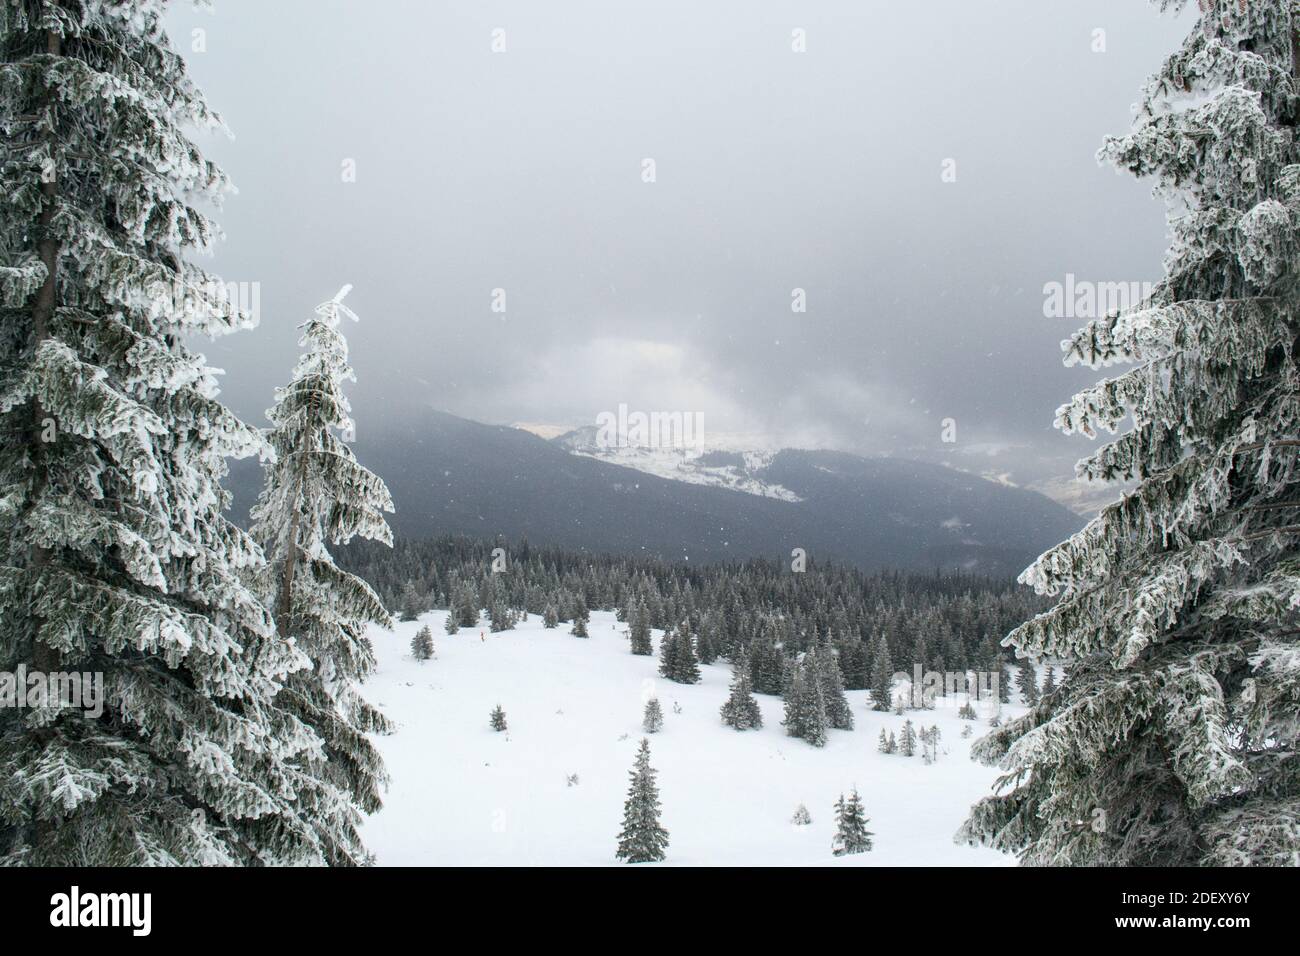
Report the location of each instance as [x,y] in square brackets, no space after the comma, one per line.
[721,465]
[462,794]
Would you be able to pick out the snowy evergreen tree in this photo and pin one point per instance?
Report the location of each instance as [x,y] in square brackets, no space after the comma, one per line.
[410,606]
[677,657]
[1178,605]
[766,668]
[668,654]
[317,495]
[639,632]
[422,644]
[930,743]
[705,649]
[805,707]
[465,605]
[500,617]
[907,745]
[117,557]
[642,839]
[740,710]
[497,719]
[579,627]
[1027,681]
[883,746]
[882,674]
[451,625]
[1049,680]
[652,721]
[550,617]
[801,816]
[851,833]
[827,672]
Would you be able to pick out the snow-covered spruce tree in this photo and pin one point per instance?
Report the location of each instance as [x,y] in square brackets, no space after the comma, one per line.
[465,605]
[827,671]
[452,625]
[851,833]
[1027,681]
[652,720]
[410,604]
[639,632]
[1049,680]
[579,627]
[740,710]
[550,618]
[316,495]
[501,618]
[766,668]
[677,660]
[497,719]
[882,674]
[805,707]
[907,744]
[422,644]
[1178,605]
[642,839]
[116,556]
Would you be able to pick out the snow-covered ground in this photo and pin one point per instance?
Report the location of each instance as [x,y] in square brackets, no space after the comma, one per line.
[463,794]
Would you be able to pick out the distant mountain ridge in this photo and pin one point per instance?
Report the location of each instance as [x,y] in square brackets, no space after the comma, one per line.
[450,475]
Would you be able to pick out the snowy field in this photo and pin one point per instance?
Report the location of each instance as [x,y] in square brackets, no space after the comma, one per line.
[463,794]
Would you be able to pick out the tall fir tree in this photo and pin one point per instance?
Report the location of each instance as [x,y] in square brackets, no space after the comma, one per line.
[1027,682]
[827,672]
[639,630]
[907,744]
[766,668]
[318,495]
[1178,604]
[117,557]
[740,710]
[851,833]
[410,605]
[642,839]
[465,605]
[677,660]
[652,719]
[1049,680]
[882,674]
[805,706]
[422,644]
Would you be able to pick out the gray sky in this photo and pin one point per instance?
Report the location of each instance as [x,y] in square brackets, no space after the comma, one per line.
[775,170]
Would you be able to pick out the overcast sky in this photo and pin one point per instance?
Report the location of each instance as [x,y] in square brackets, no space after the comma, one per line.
[822,170]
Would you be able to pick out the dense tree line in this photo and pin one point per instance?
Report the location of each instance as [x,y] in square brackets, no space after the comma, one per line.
[881,622]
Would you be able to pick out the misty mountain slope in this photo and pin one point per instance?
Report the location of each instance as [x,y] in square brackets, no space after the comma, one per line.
[449,475]
[935,514]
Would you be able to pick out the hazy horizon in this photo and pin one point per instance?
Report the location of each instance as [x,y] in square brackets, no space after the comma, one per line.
[828,170]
